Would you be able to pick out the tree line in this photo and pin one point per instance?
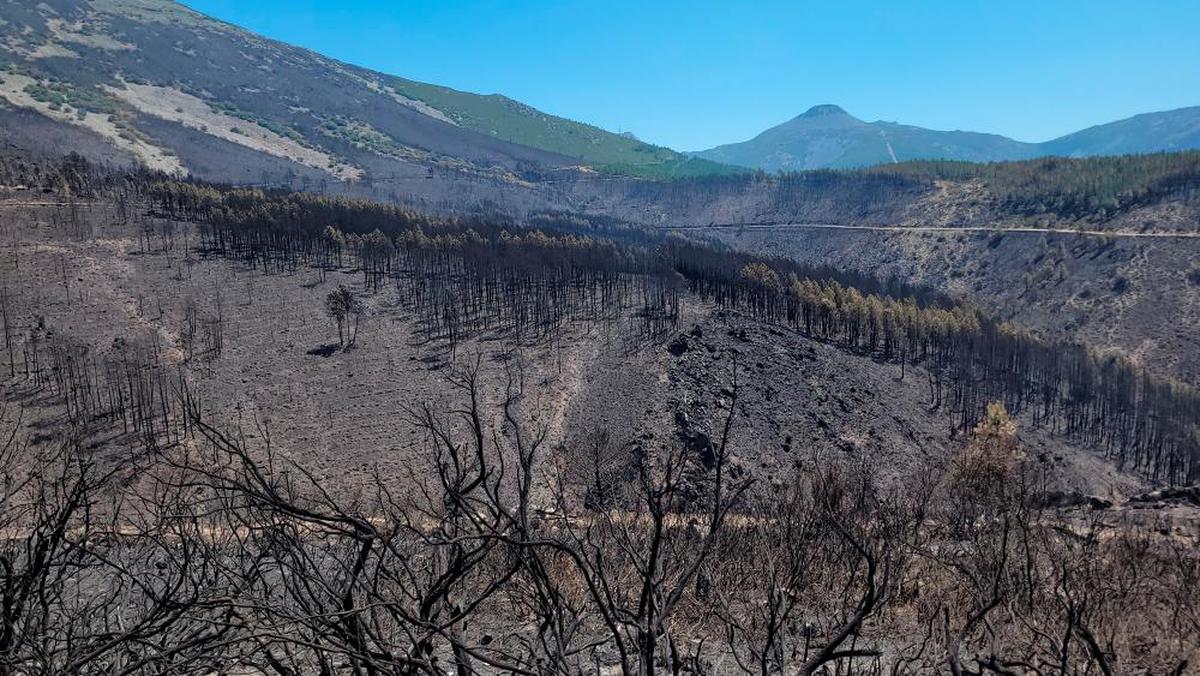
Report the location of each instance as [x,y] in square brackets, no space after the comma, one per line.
[1091,188]
[210,555]
[458,276]
[1147,424]
[71,174]
[463,276]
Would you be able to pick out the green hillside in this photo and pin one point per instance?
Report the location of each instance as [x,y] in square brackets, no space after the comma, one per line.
[513,121]
[286,111]
[1091,187]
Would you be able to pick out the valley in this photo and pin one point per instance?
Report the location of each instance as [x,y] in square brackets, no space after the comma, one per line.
[311,368]
[183,335]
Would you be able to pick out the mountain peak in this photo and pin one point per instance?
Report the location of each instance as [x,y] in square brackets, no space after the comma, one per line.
[825,110]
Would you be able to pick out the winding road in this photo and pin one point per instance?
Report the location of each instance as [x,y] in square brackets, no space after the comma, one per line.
[935,228]
[17,203]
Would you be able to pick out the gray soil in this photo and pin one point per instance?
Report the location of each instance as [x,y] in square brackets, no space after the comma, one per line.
[1130,294]
[341,414]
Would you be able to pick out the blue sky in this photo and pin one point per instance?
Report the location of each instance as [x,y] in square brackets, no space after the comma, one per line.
[695,74]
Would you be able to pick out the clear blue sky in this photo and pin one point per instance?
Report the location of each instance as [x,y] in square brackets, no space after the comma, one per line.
[696,74]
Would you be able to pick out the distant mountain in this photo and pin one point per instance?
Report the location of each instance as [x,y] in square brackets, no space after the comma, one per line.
[153,82]
[1170,130]
[828,137]
[163,85]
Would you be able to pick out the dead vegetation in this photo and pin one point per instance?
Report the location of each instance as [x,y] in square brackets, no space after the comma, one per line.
[228,557]
[188,488]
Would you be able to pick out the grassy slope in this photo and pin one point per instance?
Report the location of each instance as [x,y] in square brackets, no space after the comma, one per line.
[510,120]
[223,80]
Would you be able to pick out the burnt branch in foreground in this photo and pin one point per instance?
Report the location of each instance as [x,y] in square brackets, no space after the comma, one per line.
[211,555]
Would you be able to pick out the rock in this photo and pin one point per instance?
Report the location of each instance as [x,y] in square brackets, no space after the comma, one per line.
[678,346]
[695,441]
[1175,494]
[1070,499]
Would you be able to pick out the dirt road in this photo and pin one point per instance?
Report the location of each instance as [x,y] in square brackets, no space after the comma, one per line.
[935,228]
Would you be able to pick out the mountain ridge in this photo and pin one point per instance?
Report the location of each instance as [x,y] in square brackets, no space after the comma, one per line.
[80,63]
[119,73]
[827,137]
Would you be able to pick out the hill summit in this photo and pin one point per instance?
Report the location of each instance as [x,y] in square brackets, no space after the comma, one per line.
[823,110]
[826,136]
